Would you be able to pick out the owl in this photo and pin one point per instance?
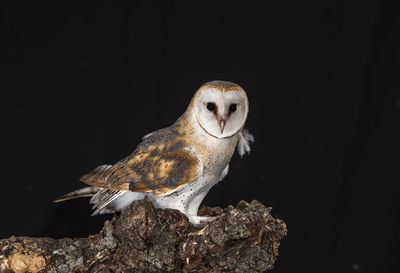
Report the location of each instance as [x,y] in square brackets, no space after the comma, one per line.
[175,167]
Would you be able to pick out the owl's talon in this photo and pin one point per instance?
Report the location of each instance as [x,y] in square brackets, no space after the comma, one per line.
[208,220]
[201,221]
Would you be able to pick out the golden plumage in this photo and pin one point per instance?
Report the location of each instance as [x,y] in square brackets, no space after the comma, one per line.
[157,166]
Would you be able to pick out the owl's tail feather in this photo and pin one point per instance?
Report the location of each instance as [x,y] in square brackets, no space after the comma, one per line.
[85,192]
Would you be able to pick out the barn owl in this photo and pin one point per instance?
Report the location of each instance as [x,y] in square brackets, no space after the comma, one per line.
[175,167]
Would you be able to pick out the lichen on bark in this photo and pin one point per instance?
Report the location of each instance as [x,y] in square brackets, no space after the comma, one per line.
[244,238]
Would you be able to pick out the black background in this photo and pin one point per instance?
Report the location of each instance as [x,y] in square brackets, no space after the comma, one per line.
[82,84]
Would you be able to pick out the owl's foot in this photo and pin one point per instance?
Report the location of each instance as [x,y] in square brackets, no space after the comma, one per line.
[200,221]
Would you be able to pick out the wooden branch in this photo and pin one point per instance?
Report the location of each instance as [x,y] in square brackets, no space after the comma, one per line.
[145,239]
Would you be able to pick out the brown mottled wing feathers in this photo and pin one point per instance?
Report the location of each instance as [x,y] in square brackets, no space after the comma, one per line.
[154,166]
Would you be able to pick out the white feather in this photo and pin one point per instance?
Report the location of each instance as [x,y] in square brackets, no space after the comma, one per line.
[115,201]
[126,198]
[244,142]
[103,206]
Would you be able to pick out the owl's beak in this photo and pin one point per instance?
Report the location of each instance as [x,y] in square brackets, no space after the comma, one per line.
[221,123]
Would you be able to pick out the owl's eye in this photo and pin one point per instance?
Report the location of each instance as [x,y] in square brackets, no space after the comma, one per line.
[210,106]
[233,107]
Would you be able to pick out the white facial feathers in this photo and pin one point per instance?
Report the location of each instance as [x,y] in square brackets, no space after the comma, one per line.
[221,113]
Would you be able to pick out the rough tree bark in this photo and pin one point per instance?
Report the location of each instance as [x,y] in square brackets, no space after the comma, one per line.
[145,239]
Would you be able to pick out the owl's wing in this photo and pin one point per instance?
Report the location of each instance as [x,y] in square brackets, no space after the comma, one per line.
[158,167]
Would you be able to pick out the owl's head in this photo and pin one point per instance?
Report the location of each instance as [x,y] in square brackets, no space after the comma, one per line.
[221,108]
